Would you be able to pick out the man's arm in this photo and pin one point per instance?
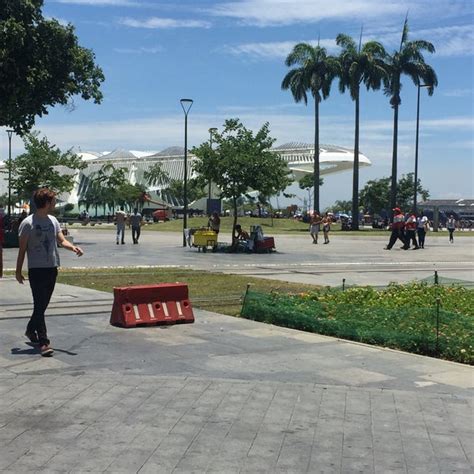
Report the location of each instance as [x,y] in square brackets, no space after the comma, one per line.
[23,240]
[67,245]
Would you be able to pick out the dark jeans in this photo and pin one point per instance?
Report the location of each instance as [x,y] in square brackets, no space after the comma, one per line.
[42,281]
[396,234]
[136,233]
[411,236]
[421,237]
[451,237]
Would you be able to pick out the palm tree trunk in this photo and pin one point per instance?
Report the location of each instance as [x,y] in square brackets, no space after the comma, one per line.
[393,187]
[316,156]
[355,174]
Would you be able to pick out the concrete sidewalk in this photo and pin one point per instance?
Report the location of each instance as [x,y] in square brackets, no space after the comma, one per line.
[222,395]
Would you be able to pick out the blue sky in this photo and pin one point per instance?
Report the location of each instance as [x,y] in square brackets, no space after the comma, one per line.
[229,57]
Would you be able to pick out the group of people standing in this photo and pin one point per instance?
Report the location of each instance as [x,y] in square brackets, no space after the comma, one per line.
[317,221]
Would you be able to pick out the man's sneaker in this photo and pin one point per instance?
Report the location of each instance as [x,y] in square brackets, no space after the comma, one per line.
[32,336]
[46,350]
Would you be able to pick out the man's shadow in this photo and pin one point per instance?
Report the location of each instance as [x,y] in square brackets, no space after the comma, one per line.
[34,349]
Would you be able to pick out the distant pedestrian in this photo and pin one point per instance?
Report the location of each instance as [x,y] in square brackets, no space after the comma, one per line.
[410,234]
[136,221]
[326,221]
[120,219]
[214,222]
[451,226]
[39,236]
[314,226]
[422,226]
[398,226]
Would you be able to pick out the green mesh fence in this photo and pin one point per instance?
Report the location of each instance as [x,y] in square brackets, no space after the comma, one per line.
[432,331]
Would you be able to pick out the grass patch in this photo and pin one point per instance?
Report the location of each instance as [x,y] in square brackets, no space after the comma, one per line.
[210,291]
[401,317]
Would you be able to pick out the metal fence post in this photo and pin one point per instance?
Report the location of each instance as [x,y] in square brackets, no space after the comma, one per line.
[343,284]
[437,325]
[245,298]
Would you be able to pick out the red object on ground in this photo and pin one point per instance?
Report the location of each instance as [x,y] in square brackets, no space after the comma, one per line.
[166,303]
[267,244]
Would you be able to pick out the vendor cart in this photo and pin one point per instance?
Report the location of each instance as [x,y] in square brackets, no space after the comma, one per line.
[204,239]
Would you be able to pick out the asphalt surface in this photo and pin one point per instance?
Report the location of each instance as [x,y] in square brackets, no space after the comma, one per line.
[358,260]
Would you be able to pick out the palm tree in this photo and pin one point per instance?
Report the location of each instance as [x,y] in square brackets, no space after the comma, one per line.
[362,64]
[407,60]
[156,175]
[315,73]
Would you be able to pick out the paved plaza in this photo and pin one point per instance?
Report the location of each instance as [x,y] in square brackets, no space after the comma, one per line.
[225,395]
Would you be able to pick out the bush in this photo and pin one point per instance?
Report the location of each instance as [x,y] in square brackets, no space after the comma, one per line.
[401,317]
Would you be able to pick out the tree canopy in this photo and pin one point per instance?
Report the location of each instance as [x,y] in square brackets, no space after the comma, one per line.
[41,65]
[376,194]
[314,72]
[43,164]
[240,162]
[409,61]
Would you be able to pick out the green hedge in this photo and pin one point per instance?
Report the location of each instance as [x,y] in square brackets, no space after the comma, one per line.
[379,317]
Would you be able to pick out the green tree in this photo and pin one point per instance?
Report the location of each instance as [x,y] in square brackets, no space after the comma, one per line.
[315,73]
[41,65]
[241,161]
[156,175]
[195,190]
[362,64]
[344,206]
[44,164]
[307,181]
[375,197]
[407,60]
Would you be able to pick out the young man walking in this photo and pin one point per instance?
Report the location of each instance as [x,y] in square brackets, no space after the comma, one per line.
[136,221]
[120,219]
[39,236]
[398,232]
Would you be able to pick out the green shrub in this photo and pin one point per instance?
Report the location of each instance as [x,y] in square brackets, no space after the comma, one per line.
[401,317]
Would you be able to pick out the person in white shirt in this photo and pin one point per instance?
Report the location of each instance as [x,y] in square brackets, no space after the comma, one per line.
[120,219]
[422,226]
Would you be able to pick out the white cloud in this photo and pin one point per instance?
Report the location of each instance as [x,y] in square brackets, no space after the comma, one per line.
[454,40]
[140,50]
[163,23]
[287,12]
[98,3]
[273,50]
[458,93]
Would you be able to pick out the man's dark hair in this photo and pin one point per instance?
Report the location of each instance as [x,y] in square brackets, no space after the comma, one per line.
[42,197]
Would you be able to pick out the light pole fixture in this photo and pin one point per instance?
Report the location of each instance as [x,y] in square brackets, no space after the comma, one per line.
[211,133]
[10,134]
[186,105]
[415,186]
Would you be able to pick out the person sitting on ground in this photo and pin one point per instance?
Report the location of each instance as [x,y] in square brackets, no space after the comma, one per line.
[241,234]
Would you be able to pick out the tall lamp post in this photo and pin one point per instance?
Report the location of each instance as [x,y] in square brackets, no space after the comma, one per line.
[415,187]
[10,133]
[211,133]
[186,104]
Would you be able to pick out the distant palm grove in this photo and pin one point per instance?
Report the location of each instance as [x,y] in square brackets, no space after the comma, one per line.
[367,64]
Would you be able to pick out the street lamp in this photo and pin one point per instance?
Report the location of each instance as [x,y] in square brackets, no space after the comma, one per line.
[211,132]
[415,187]
[10,133]
[186,105]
